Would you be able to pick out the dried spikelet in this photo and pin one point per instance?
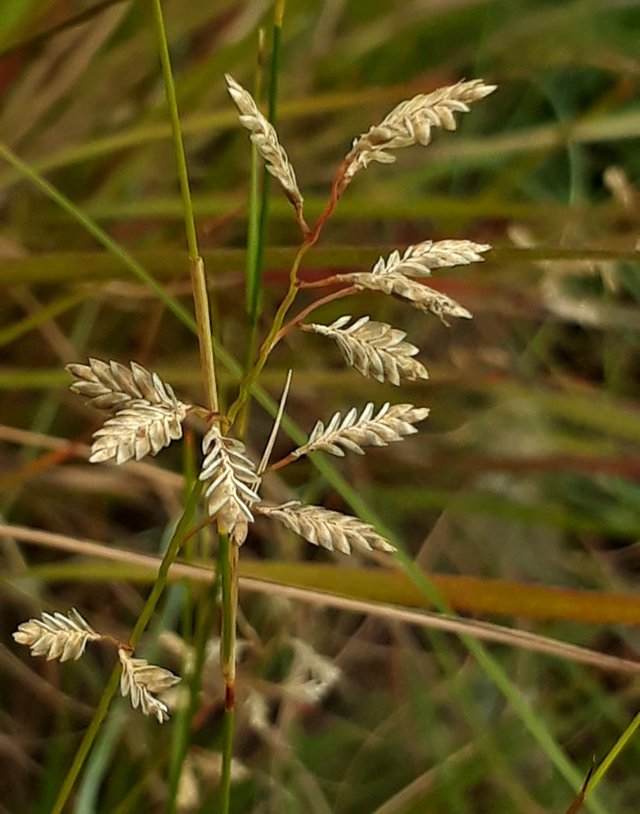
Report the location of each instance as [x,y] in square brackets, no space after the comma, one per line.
[418,260]
[416,294]
[374,349]
[141,428]
[57,636]
[141,681]
[353,432]
[111,386]
[264,136]
[311,675]
[231,491]
[323,527]
[410,123]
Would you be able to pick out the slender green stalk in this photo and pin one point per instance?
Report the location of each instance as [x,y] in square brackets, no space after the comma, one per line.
[613,754]
[228,566]
[258,182]
[259,203]
[178,145]
[196,266]
[226,553]
[255,289]
[87,742]
[259,187]
[227,750]
[267,346]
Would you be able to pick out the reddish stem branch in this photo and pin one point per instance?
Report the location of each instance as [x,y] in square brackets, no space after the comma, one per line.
[337,188]
[335,279]
[336,295]
[290,458]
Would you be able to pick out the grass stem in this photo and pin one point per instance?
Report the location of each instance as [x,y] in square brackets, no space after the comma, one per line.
[228,565]
[196,266]
[612,755]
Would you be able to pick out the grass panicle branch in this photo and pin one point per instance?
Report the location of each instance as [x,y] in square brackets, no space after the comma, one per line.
[64,637]
[415,293]
[146,415]
[374,349]
[419,260]
[111,386]
[328,529]
[352,432]
[231,482]
[264,136]
[137,431]
[57,636]
[142,681]
[411,122]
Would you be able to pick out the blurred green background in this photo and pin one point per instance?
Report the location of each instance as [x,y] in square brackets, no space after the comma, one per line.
[527,469]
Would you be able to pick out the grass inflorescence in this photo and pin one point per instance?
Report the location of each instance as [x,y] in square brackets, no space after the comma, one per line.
[327,406]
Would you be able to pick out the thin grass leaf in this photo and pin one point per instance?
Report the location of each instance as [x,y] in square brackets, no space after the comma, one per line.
[57,636]
[232,483]
[264,461]
[374,349]
[323,527]
[411,122]
[141,681]
[264,136]
[353,432]
[418,295]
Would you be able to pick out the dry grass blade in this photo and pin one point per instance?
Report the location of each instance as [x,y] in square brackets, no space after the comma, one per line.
[416,294]
[410,123]
[138,430]
[231,491]
[111,386]
[353,432]
[320,597]
[57,636]
[264,136]
[323,527]
[419,260]
[374,349]
[141,681]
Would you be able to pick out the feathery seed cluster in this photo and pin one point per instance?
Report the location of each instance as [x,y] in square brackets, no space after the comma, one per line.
[144,414]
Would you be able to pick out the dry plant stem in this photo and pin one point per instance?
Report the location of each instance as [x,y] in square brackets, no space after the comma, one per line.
[319,596]
[203,321]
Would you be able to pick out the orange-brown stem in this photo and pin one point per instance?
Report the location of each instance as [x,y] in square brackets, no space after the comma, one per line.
[336,295]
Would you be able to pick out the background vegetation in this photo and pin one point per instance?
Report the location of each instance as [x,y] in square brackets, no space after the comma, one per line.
[524,476]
